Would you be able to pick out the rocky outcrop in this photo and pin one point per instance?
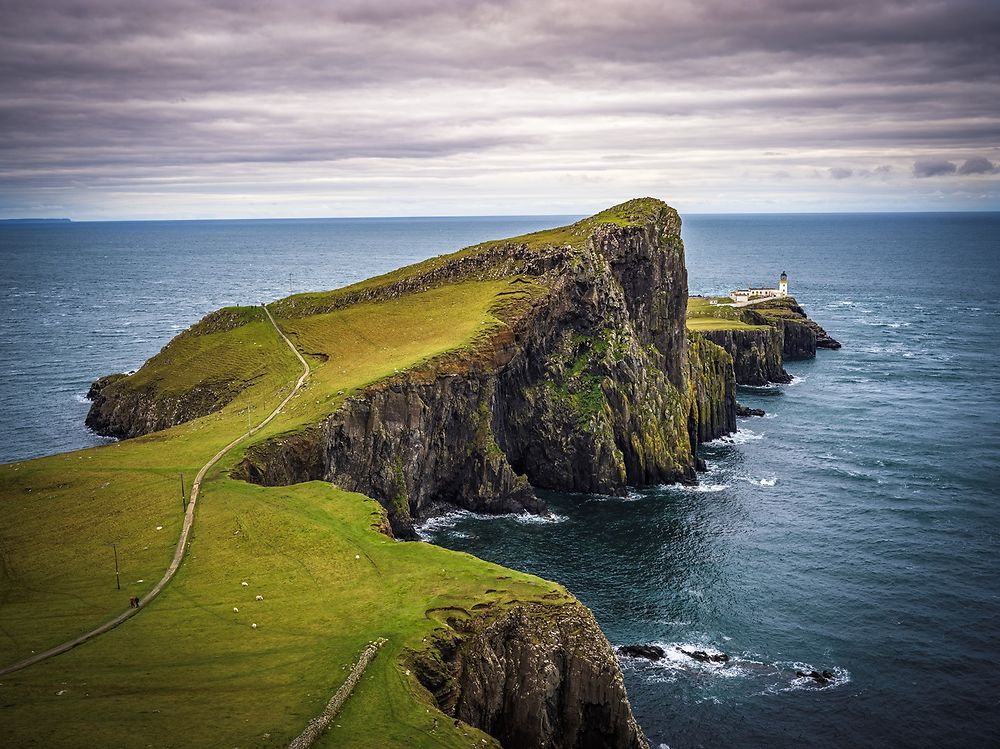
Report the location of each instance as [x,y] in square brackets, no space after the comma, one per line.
[649,652]
[801,335]
[134,404]
[531,675]
[745,412]
[712,391]
[591,388]
[591,385]
[756,352]
[120,410]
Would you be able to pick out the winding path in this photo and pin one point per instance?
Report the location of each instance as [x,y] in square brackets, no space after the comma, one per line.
[185,529]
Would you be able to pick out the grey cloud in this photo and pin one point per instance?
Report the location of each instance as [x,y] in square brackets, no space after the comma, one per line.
[978,165]
[92,85]
[933,168]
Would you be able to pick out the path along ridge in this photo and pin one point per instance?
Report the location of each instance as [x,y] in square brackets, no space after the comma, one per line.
[185,529]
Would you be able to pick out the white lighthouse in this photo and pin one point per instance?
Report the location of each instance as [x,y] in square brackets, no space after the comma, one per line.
[753,294]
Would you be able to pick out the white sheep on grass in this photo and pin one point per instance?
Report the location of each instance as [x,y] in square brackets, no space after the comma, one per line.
[235,610]
[260,598]
[253,626]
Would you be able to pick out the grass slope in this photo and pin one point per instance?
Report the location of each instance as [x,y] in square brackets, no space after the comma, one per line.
[189,670]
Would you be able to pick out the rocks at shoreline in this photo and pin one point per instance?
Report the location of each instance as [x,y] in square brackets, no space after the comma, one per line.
[704,657]
[650,652]
[746,411]
[820,678]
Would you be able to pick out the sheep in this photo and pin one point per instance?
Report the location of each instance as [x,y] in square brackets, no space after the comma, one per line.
[260,598]
[245,584]
[235,610]
[253,626]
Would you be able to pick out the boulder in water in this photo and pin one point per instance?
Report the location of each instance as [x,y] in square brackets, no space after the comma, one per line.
[703,657]
[651,652]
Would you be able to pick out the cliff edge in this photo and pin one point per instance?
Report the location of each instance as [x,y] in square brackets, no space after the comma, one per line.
[584,381]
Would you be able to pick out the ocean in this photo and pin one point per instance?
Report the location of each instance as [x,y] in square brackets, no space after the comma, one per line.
[854,528]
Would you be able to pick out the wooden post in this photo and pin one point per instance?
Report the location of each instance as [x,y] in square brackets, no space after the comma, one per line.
[118,579]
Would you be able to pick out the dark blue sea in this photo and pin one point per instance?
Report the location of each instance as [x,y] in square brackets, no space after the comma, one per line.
[854,528]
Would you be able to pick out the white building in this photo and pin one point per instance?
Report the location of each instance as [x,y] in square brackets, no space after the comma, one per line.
[745,296]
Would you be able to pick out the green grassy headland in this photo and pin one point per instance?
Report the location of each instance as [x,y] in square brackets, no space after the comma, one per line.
[189,670]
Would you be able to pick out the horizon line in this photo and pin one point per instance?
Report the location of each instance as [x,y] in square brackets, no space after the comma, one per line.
[62,220]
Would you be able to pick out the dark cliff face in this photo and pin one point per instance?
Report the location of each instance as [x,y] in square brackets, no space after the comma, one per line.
[535,675]
[132,405]
[590,389]
[590,386]
[801,335]
[713,390]
[757,353]
[118,410]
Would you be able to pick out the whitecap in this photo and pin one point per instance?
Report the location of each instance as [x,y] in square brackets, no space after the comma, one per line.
[698,488]
[80,398]
[841,677]
[426,528]
[777,677]
[761,482]
[675,662]
[741,437]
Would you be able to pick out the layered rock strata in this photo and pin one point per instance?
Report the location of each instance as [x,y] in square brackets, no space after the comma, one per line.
[590,385]
[533,675]
[593,387]
[801,336]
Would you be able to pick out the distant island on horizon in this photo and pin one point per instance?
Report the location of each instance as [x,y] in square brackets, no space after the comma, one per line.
[36,220]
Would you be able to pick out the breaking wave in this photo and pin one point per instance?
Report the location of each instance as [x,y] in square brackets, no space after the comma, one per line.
[771,677]
[427,528]
[742,437]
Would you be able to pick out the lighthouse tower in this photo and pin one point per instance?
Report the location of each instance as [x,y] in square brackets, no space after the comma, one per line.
[783,284]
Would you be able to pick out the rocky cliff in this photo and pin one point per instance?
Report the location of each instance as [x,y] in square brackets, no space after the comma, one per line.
[590,386]
[712,390]
[757,353]
[759,337]
[801,336]
[167,391]
[531,675]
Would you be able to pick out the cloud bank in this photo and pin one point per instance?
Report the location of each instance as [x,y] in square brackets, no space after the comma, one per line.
[118,108]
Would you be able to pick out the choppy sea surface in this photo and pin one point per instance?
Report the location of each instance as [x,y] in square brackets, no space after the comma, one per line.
[854,528]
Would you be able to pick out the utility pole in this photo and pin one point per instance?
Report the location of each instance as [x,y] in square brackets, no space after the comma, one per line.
[184,505]
[118,579]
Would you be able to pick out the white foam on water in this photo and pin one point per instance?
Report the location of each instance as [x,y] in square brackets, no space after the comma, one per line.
[761,482]
[742,437]
[697,488]
[768,386]
[426,528]
[676,662]
[777,677]
[80,398]
[802,683]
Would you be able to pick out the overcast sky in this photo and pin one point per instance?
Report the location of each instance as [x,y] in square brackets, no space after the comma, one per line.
[239,108]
